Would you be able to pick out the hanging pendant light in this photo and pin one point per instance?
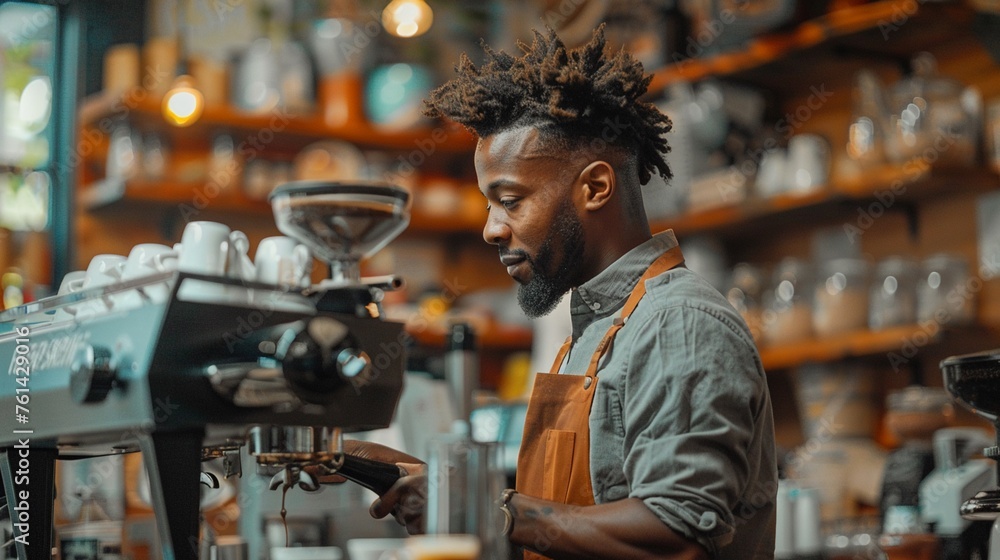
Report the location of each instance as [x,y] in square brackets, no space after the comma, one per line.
[407,18]
[183,104]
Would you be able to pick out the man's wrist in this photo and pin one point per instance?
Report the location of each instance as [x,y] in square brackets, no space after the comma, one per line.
[508,516]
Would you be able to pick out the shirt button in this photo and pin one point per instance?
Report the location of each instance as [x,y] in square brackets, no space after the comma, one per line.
[596,305]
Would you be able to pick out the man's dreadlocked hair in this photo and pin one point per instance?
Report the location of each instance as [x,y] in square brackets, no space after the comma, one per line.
[572,95]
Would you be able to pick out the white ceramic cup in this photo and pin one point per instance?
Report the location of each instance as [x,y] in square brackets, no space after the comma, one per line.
[374,549]
[204,248]
[143,260]
[307,553]
[149,258]
[103,270]
[808,162]
[72,282]
[282,260]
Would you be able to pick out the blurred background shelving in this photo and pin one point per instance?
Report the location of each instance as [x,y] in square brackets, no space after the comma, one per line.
[784,61]
[783,86]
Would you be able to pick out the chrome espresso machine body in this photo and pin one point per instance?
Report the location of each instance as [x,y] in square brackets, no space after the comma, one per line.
[189,367]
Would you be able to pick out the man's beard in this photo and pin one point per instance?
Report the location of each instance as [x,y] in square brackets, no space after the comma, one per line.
[540,295]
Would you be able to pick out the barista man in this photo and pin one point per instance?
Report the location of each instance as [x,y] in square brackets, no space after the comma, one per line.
[652,437]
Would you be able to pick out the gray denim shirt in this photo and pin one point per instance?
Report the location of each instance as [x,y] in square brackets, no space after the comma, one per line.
[682,415]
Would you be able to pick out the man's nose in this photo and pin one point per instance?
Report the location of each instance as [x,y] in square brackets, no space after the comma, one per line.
[495,231]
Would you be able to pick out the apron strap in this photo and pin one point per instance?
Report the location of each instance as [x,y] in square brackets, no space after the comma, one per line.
[668,260]
[563,350]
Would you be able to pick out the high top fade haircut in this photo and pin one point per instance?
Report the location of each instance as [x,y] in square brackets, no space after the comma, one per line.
[578,98]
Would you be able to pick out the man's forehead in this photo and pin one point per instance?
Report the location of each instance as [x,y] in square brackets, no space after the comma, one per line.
[522,143]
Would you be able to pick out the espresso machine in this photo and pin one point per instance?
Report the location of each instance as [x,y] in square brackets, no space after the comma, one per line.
[204,365]
[974,381]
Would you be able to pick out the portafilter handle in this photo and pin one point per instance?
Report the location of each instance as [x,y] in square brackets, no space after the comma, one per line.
[373,475]
[376,476]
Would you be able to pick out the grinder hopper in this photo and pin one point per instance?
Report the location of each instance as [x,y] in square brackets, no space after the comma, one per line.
[341,222]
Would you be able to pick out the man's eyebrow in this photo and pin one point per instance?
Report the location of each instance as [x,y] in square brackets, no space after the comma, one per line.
[501,183]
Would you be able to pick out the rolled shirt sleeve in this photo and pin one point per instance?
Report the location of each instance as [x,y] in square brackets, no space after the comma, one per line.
[694,400]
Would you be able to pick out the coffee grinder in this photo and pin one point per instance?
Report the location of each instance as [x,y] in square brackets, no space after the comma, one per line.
[974,381]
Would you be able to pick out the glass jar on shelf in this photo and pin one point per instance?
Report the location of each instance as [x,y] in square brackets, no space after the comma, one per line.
[745,286]
[945,291]
[841,297]
[787,315]
[914,413]
[892,300]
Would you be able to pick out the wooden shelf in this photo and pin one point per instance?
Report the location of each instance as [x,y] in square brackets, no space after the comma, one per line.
[874,28]
[848,345]
[182,196]
[774,357]
[907,182]
[497,337]
[267,126]
[902,182]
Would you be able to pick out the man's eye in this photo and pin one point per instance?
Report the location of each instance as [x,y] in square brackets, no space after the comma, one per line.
[508,203]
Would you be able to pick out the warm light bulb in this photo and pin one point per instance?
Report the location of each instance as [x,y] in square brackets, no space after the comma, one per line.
[407,18]
[183,104]
[407,29]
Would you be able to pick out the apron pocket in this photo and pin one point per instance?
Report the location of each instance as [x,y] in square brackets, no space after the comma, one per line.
[559,447]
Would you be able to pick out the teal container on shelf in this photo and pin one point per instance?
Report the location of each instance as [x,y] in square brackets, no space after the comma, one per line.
[394,96]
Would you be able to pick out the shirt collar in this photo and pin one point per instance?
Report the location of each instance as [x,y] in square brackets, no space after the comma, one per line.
[607,291]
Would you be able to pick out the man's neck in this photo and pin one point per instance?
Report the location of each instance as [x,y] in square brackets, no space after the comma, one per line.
[613,248]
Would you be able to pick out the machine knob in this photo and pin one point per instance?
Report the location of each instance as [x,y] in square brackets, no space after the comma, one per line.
[353,362]
[320,358]
[93,375]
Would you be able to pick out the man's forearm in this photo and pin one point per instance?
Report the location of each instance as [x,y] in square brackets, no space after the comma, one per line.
[625,529]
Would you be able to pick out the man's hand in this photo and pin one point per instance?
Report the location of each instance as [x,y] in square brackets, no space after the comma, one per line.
[365,450]
[406,500]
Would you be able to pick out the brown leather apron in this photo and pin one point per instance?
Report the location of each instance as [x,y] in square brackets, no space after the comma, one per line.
[554,461]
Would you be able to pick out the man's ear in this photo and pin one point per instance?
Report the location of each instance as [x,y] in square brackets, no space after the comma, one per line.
[598,185]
